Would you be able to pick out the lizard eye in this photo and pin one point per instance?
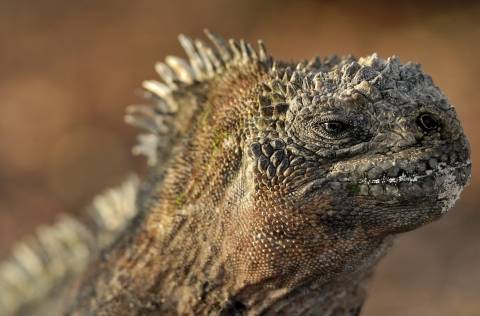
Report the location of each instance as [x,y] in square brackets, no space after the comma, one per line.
[334,129]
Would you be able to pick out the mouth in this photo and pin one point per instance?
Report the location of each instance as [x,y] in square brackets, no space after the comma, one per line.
[406,166]
[439,170]
[406,175]
[442,184]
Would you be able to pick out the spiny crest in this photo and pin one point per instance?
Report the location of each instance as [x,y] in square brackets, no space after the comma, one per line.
[178,75]
[112,210]
[61,251]
[39,263]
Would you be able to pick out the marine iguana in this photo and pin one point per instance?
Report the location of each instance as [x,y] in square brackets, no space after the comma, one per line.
[274,187]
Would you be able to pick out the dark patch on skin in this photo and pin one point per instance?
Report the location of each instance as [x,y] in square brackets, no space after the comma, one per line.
[234,308]
[353,189]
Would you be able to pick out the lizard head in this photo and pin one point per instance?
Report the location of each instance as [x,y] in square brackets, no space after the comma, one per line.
[348,151]
[373,141]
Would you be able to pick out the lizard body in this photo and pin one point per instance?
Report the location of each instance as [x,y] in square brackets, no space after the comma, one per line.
[275,187]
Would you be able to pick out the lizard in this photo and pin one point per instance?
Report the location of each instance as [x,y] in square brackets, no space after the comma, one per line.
[274,188]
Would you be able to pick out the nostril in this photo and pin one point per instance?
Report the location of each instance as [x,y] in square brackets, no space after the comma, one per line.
[427,122]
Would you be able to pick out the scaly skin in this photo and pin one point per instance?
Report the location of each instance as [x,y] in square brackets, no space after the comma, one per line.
[285,185]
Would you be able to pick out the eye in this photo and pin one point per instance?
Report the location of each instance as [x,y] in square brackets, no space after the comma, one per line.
[427,122]
[334,129]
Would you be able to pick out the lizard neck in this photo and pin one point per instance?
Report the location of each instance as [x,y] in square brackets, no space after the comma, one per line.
[191,271]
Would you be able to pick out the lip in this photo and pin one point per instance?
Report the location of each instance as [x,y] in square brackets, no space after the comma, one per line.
[442,169]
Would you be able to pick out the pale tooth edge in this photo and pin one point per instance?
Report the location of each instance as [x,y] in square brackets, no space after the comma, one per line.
[441,170]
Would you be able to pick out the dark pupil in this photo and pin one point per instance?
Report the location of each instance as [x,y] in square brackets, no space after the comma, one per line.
[427,122]
[333,127]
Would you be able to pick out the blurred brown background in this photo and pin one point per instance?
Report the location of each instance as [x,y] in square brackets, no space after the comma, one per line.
[68,68]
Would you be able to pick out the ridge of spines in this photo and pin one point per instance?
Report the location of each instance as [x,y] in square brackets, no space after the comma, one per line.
[114,208]
[41,262]
[204,63]
[59,252]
